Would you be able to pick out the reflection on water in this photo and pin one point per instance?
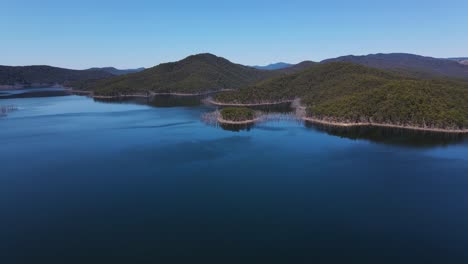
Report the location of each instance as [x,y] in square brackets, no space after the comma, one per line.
[237,128]
[5,109]
[159,100]
[111,183]
[194,101]
[34,92]
[392,136]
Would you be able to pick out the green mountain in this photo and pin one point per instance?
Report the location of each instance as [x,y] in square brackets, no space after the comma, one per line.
[44,76]
[194,74]
[297,67]
[346,92]
[402,62]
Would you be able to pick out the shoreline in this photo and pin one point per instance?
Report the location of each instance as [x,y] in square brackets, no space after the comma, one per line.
[300,114]
[193,94]
[345,124]
[300,107]
[245,122]
[248,104]
[154,94]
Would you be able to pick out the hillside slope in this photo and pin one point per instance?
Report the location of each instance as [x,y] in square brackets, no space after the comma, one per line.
[194,74]
[409,62]
[43,76]
[297,67]
[345,92]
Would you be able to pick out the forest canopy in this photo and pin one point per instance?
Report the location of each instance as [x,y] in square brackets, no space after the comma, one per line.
[237,114]
[346,92]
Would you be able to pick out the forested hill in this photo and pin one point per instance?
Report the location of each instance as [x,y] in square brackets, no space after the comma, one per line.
[346,92]
[194,74]
[297,67]
[42,76]
[409,62]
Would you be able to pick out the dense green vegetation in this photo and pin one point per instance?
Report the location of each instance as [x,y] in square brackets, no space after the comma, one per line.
[424,66]
[334,91]
[324,81]
[237,114]
[345,92]
[297,67]
[40,76]
[195,74]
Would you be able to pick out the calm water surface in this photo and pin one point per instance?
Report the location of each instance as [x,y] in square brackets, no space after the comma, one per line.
[99,182]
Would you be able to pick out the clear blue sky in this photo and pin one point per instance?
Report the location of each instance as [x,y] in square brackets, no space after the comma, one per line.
[125,34]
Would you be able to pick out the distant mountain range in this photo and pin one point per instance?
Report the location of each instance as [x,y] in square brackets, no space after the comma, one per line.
[216,73]
[408,62]
[45,76]
[19,77]
[274,66]
[115,71]
[195,74]
[414,65]
[286,68]
[463,61]
[297,67]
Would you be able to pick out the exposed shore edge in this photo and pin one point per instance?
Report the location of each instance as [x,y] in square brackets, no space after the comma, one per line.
[248,104]
[308,119]
[298,106]
[245,122]
[344,124]
[149,95]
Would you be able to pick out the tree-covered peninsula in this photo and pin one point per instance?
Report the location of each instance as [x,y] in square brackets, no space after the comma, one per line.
[347,93]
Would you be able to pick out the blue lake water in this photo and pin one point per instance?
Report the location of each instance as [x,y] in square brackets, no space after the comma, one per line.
[93,182]
[33,92]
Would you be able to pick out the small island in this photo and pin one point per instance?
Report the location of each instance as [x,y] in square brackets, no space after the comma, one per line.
[237,116]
